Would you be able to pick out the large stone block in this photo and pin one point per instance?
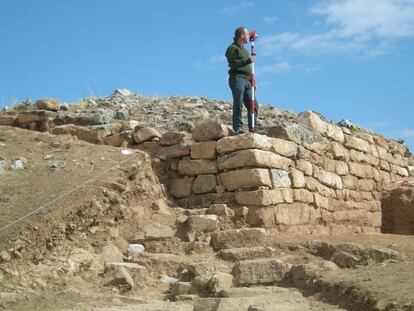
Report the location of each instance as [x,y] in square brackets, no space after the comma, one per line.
[327,178]
[335,132]
[313,184]
[210,130]
[305,166]
[298,178]
[25,117]
[174,151]
[197,167]
[245,141]
[283,214]
[245,179]
[341,168]
[8,120]
[172,138]
[350,182]
[339,152]
[202,223]
[312,121]
[259,197]
[283,147]
[259,271]
[360,170]
[356,143]
[245,253]
[280,178]
[145,134]
[247,237]
[302,195]
[205,183]
[204,150]
[181,187]
[252,158]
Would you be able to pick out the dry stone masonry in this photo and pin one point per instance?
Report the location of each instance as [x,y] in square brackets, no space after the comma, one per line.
[305,174]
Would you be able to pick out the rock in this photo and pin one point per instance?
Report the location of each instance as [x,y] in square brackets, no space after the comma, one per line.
[173,151]
[115,140]
[2,145]
[197,167]
[134,249]
[2,167]
[327,178]
[345,260]
[172,138]
[298,178]
[234,238]
[220,281]
[280,178]
[82,260]
[207,269]
[244,253]
[120,277]
[202,223]
[210,130]
[252,158]
[156,231]
[25,117]
[259,197]
[205,183]
[123,92]
[48,104]
[161,207]
[245,141]
[283,214]
[245,179]
[204,150]
[8,120]
[145,134]
[103,116]
[302,274]
[18,164]
[180,288]
[4,256]
[122,115]
[296,133]
[58,165]
[220,210]
[312,121]
[335,132]
[259,271]
[110,253]
[356,143]
[181,187]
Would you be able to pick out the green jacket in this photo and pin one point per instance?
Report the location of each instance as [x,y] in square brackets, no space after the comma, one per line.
[239,61]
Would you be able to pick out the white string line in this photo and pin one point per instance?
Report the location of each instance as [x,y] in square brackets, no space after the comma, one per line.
[65,194]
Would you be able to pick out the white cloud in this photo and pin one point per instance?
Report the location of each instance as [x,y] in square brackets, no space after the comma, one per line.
[217,59]
[368,18]
[241,6]
[270,19]
[357,27]
[277,68]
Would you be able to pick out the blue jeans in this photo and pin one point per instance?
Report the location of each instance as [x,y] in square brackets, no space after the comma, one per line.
[241,88]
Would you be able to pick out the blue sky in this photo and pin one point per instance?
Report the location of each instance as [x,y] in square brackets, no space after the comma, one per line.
[343,58]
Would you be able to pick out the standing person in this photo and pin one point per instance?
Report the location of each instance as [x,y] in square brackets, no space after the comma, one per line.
[240,79]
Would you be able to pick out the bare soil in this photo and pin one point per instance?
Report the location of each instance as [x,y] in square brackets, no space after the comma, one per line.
[101,197]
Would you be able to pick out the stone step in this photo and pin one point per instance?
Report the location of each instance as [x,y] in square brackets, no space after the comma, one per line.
[236,238]
[245,253]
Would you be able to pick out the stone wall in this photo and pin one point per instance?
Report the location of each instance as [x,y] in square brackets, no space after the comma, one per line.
[304,174]
[330,177]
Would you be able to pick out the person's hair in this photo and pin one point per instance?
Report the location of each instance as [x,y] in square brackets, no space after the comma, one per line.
[238,32]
